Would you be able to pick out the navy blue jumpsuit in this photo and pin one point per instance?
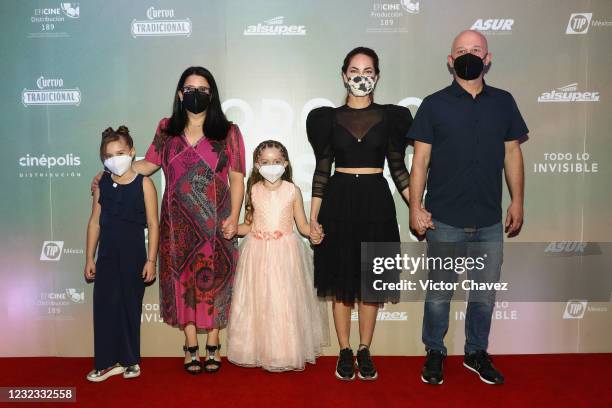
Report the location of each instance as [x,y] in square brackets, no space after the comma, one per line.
[119,286]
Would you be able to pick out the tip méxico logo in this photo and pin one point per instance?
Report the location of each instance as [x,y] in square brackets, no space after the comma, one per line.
[569,93]
[275,26]
[51,91]
[161,23]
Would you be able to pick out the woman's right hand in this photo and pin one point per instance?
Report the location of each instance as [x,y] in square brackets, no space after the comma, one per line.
[96,181]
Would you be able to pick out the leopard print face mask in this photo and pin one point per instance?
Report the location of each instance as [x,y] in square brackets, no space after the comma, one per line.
[361,85]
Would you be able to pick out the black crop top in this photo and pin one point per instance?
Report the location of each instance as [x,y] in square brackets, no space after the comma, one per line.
[359,138]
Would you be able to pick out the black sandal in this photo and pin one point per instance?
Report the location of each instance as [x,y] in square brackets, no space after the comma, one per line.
[211,365]
[194,362]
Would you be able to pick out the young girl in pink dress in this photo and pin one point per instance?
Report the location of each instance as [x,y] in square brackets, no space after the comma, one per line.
[276,320]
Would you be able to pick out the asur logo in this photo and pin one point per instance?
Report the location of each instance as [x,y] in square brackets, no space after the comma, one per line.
[51,250]
[574,309]
[579,23]
[493,25]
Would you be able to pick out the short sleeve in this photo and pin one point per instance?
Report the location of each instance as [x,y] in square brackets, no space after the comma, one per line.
[517,127]
[400,120]
[235,150]
[319,125]
[421,128]
[154,152]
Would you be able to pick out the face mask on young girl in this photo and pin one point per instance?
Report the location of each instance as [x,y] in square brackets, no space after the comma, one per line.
[272,172]
[118,164]
[361,85]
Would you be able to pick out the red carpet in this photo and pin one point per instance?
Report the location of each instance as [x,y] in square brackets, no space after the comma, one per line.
[569,380]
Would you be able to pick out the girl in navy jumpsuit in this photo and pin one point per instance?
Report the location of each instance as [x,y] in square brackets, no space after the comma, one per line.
[119,217]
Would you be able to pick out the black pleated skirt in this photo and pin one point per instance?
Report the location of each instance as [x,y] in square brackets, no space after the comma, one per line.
[354,209]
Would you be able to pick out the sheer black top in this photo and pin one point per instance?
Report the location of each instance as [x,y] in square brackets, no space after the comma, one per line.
[359,138]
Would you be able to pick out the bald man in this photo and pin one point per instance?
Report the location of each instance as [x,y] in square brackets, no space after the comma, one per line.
[465,137]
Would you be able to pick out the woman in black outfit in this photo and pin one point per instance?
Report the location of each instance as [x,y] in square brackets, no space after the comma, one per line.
[355,204]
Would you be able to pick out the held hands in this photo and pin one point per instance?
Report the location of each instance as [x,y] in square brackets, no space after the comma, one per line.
[229,227]
[420,220]
[90,270]
[316,233]
[148,272]
[514,219]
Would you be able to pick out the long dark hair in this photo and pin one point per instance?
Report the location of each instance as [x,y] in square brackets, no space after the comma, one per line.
[215,125]
[256,177]
[365,51]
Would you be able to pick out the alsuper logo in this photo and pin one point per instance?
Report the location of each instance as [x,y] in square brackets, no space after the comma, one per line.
[569,93]
[275,26]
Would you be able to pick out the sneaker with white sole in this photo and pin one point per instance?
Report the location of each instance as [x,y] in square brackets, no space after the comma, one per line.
[132,371]
[101,375]
[433,369]
[481,363]
[365,365]
[345,367]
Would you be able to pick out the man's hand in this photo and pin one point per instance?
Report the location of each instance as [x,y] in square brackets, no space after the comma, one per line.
[420,220]
[514,219]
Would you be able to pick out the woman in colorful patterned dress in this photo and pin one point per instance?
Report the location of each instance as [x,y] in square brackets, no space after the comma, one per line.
[202,156]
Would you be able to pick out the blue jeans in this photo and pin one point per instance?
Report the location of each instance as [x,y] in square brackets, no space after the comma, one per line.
[480,304]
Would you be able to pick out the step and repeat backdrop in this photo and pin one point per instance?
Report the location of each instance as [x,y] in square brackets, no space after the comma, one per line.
[69,70]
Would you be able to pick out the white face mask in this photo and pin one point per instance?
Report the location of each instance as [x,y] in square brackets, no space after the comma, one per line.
[271,172]
[118,164]
[361,85]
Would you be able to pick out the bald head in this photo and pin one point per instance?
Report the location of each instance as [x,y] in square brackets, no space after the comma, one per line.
[469,40]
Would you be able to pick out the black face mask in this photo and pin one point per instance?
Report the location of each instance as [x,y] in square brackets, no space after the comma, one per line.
[196,101]
[468,66]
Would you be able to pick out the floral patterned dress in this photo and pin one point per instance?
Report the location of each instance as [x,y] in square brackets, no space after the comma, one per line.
[197,265]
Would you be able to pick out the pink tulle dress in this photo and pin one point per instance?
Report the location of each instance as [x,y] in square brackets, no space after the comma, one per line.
[276,320]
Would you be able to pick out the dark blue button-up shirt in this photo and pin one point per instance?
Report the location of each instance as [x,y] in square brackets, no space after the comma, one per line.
[467,135]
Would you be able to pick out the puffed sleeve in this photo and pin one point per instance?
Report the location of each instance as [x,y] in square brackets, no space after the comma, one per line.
[154,153]
[235,149]
[319,124]
[400,120]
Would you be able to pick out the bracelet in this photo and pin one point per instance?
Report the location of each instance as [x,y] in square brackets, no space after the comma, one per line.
[153,261]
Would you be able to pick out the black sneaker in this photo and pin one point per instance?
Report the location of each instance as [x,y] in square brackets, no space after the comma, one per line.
[481,363]
[345,368]
[365,365]
[433,368]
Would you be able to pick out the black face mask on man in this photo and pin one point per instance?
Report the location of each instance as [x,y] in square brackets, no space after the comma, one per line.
[468,66]
[196,101]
